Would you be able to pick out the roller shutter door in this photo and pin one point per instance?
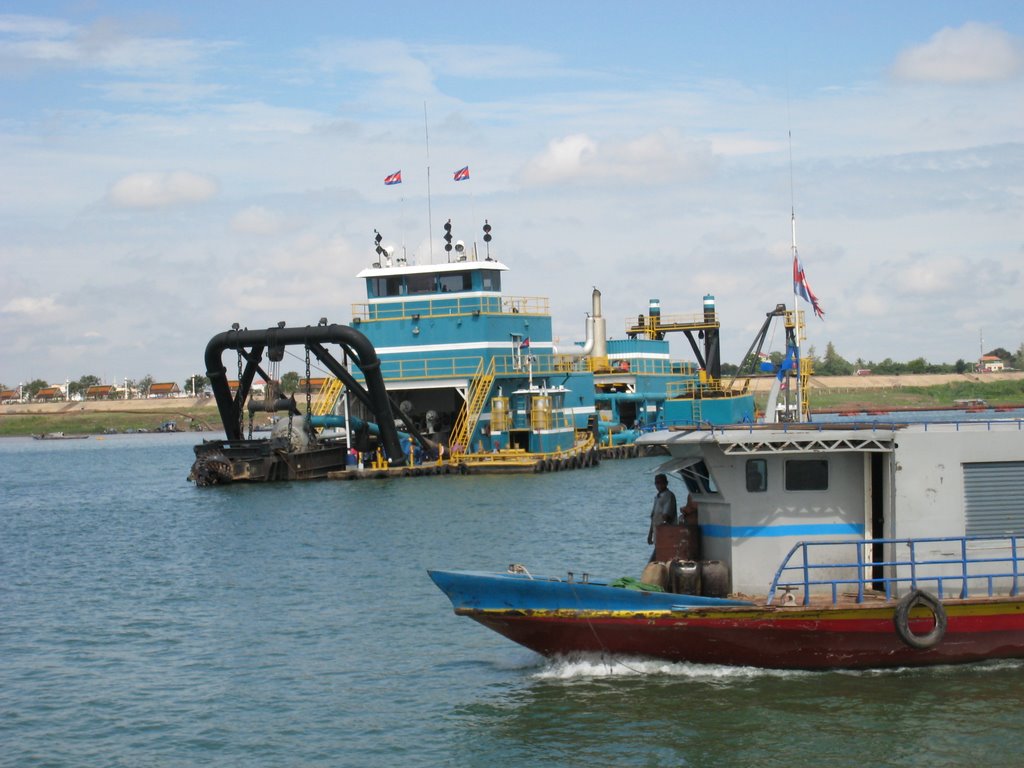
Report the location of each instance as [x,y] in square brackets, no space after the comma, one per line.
[994,498]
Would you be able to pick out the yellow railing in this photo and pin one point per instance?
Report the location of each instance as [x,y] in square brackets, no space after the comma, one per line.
[663,323]
[326,397]
[476,398]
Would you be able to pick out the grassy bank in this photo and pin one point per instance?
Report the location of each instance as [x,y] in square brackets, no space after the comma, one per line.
[87,422]
[998,393]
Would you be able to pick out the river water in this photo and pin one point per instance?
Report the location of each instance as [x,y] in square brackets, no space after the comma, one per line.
[146,622]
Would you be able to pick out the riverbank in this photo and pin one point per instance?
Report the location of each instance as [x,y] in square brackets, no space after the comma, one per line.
[104,416]
[828,393]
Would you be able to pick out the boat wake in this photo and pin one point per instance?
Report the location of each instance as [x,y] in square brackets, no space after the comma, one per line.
[598,666]
[593,666]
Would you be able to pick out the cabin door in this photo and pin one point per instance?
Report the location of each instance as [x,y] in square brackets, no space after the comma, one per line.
[876,512]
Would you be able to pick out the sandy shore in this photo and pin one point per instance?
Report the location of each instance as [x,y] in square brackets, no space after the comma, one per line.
[872,382]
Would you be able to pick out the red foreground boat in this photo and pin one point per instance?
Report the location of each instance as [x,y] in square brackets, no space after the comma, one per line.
[827,503]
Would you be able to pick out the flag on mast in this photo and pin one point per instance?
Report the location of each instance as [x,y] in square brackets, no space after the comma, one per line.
[394,178]
[803,289]
[462,174]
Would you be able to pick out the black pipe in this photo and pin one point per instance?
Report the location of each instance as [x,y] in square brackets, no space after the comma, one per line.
[355,343]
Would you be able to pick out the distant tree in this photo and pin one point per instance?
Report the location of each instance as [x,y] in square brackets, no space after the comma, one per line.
[960,366]
[33,387]
[144,384]
[1001,353]
[730,369]
[917,365]
[289,382]
[1018,359]
[887,367]
[196,383]
[79,387]
[833,363]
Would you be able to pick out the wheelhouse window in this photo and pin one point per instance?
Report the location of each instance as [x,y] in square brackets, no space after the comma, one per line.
[456,281]
[807,475]
[757,475]
[491,280]
[422,284]
[384,286]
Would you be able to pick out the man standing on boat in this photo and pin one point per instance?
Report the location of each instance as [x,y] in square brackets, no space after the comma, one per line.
[664,509]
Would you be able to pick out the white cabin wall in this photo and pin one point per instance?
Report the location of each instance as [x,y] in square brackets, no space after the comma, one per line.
[929,494]
[753,555]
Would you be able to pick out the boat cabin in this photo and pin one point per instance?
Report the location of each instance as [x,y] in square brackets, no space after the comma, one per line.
[763,491]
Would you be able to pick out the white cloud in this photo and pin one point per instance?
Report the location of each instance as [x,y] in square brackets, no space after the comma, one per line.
[257,220]
[972,53]
[654,158]
[37,40]
[158,190]
[156,92]
[33,26]
[28,305]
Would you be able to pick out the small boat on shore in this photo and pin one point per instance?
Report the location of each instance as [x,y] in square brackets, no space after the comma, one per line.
[879,547]
[58,436]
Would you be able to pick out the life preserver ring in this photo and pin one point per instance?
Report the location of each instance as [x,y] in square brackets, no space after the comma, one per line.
[901,618]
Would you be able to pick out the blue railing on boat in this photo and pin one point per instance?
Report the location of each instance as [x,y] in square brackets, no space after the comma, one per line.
[978,562]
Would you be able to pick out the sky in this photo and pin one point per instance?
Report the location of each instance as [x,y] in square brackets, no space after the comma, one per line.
[169,169]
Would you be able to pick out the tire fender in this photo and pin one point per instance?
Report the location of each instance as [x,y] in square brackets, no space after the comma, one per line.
[901,619]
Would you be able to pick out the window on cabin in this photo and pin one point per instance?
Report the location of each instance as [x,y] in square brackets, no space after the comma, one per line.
[384,286]
[757,475]
[491,280]
[807,475]
[457,281]
[698,478]
[421,284]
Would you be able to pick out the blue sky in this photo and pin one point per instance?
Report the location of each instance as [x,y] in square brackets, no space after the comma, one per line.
[172,168]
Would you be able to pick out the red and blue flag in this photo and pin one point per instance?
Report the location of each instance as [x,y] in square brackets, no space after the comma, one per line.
[394,178]
[802,288]
[462,174]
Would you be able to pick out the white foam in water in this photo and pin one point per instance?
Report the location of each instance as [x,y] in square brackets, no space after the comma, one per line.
[594,666]
[588,666]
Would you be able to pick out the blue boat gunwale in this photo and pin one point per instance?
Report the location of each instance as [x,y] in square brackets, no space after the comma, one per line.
[524,591]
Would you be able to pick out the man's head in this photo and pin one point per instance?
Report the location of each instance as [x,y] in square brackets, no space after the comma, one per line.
[660,482]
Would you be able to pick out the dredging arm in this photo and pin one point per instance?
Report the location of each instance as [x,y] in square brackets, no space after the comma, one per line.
[251,346]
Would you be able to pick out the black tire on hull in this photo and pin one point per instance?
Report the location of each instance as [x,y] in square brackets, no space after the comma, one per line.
[901,619]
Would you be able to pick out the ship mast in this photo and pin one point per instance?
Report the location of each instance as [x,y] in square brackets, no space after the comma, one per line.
[798,336]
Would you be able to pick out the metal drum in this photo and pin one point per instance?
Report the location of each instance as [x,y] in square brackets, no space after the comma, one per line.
[684,577]
[714,578]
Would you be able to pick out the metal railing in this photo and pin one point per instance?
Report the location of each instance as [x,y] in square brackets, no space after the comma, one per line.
[915,563]
[415,307]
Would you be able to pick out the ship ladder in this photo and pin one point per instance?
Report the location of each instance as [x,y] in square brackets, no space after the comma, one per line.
[476,399]
[695,411]
[326,398]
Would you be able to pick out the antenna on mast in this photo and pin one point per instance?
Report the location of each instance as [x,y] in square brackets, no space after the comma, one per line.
[430,216]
